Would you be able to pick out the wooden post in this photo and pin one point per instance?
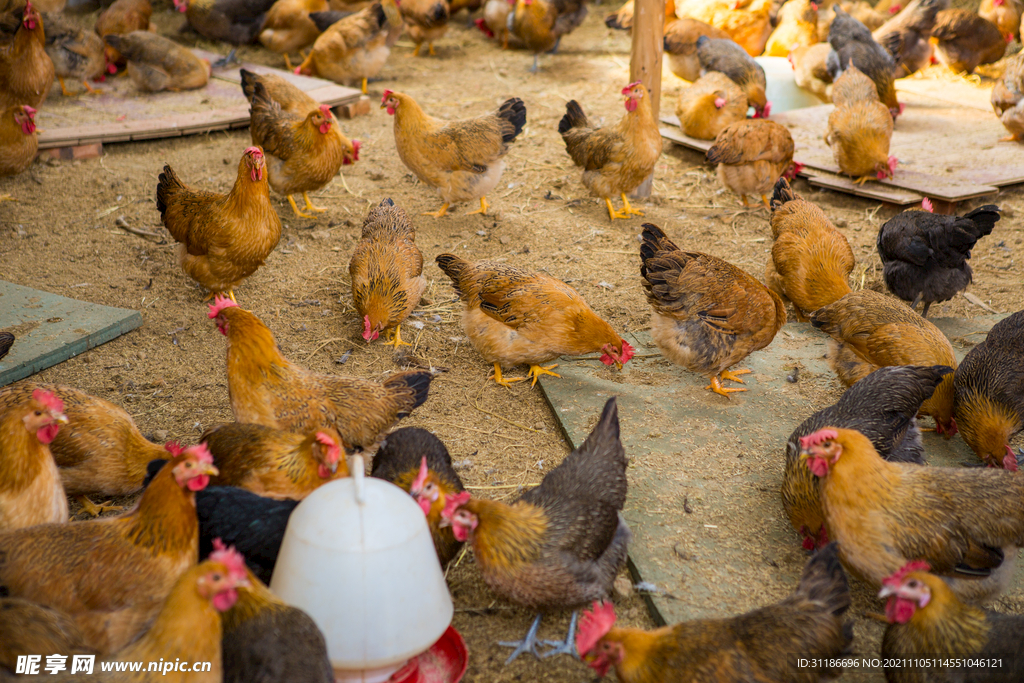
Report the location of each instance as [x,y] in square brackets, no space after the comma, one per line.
[645,60]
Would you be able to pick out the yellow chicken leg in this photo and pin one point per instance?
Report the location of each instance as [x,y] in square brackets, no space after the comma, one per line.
[483,207]
[767,204]
[716,386]
[629,210]
[64,89]
[536,371]
[731,375]
[7,198]
[863,179]
[503,381]
[443,211]
[612,213]
[394,338]
[430,48]
[288,62]
[309,204]
[365,81]
[96,509]
[416,52]
[295,208]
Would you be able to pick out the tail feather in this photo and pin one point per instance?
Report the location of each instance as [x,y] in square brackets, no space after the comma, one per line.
[824,581]
[574,118]
[249,80]
[324,20]
[783,194]
[514,111]
[416,381]
[655,241]
[454,268]
[166,186]
[984,219]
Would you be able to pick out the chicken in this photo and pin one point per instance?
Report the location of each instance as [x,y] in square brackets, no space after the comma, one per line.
[810,261]
[26,71]
[30,629]
[810,69]
[76,53]
[927,620]
[1005,14]
[417,461]
[540,24]
[425,21]
[1008,98]
[289,97]
[728,58]
[968,523]
[6,338]
[354,48]
[860,130]
[616,160]
[288,28]
[752,156]
[462,159]
[797,27]
[12,14]
[494,23]
[708,314]
[233,21]
[19,141]
[100,450]
[680,43]
[622,19]
[988,392]
[265,388]
[386,271]
[871,330]
[924,255]
[914,26]
[304,153]
[513,317]
[741,648]
[121,18]
[274,463]
[561,544]
[456,6]
[965,40]
[156,63]
[748,23]
[710,105]
[883,407]
[223,238]
[112,574]
[852,43]
[30,488]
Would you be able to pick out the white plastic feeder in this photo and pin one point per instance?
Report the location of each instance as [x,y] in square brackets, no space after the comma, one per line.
[782,90]
[358,558]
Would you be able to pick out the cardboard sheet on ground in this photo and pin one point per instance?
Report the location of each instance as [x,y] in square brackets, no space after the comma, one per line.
[705,473]
[50,329]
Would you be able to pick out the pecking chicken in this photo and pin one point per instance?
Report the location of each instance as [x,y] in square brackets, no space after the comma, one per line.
[725,56]
[76,53]
[756,646]
[223,238]
[30,487]
[99,450]
[462,159]
[233,21]
[426,21]
[291,99]
[112,574]
[708,314]
[121,18]
[26,71]
[304,153]
[30,629]
[927,620]
[288,28]
[883,407]
[811,261]
[156,63]
[19,141]
[417,461]
[752,156]
[1008,98]
[810,69]
[614,160]
[265,388]
[561,544]
[988,392]
[860,129]
[964,521]
[1005,14]
[355,47]
[386,271]
[540,24]
[680,44]
[852,43]
[964,40]
[710,105]
[869,330]
[274,463]
[924,255]
[513,317]
[747,22]
[797,27]
[913,25]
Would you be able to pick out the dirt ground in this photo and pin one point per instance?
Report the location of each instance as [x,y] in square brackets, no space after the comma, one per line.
[60,236]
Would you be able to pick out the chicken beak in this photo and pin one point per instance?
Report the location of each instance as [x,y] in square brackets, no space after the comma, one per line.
[210,469]
[334,467]
[445,522]
[804,456]
[887,591]
[618,365]
[61,418]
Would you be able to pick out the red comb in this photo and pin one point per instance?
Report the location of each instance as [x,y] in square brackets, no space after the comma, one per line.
[255,151]
[454,502]
[421,478]
[219,304]
[625,91]
[230,558]
[387,94]
[174,448]
[49,400]
[333,450]
[897,577]
[627,352]
[820,436]
[926,204]
[594,626]
[31,111]
[201,452]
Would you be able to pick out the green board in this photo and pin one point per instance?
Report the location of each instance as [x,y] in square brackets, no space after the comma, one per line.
[50,329]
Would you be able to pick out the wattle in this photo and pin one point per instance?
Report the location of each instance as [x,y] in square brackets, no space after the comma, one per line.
[28,128]
[607,360]
[224,600]
[322,471]
[899,610]
[198,483]
[631,104]
[818,466]
[324,127]
[391,111]
[48,433]
[424,504]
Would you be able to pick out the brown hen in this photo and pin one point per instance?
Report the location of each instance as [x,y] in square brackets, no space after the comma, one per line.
[860,130]
[752,156]
[710,105]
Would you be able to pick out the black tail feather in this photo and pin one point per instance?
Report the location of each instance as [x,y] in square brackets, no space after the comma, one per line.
[574,118]
[514,111]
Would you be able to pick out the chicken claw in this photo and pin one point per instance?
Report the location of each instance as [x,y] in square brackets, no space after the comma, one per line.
[536,371]
[503,381]
[365,92]
[288,63]
[527,644]
[96,509]
[443,211]
[483,208]
[297,210]
[309,204]
[63,88]
[395,338]
[564,647]
[863,179]
[416,52]
[629,210]
[612,213]
[731,375]
[7,198]
[716,386]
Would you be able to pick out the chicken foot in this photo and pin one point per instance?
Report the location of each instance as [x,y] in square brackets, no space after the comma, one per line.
[297,210]
[64,89]
[527,644]
[288,63]
[626,210]
[365,92]
[716,381]
[231,295]
[503,381]
[443,211]
[309,204]
[536,371]
[564,647]
[395,338]
[96,509]
[483,208]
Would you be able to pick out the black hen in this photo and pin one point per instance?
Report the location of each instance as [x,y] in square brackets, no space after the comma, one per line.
[925,255]
[324,20]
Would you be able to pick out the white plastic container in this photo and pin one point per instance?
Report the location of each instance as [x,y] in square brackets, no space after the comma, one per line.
[358,558]
[782,90]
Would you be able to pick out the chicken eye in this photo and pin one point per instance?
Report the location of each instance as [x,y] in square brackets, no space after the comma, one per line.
[38,413]
[216,577]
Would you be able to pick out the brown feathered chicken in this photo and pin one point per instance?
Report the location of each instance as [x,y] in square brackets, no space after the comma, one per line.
[1005,14]
[615,160]
[26,71]
[99,451]
[76,53]
[988,393]
[540,24]
[19,141]
[426,21]
[964,40]
[289,97]
[561,544]
[710,105]
[728,58]
[462,159]
[288,28]
[386,271]
[265,388]
[121,18]
[1008,98]
[968,523]
[752,156]
[355,47]
[912,27]
[156,63]
[810,69]
[680,43]
[811,260]
[860,129]
[513,317]
[852,43]
[747,647]
[223,238]
[748,22]
[708,314]
[30,488]
[797,27]
[111,575]
[30,629]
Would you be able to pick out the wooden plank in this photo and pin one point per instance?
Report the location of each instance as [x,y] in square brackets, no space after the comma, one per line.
[868,190]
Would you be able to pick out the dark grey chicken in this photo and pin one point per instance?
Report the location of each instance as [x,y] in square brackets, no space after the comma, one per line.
[851,41]
[727,57]
[914,26]
[6,342]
